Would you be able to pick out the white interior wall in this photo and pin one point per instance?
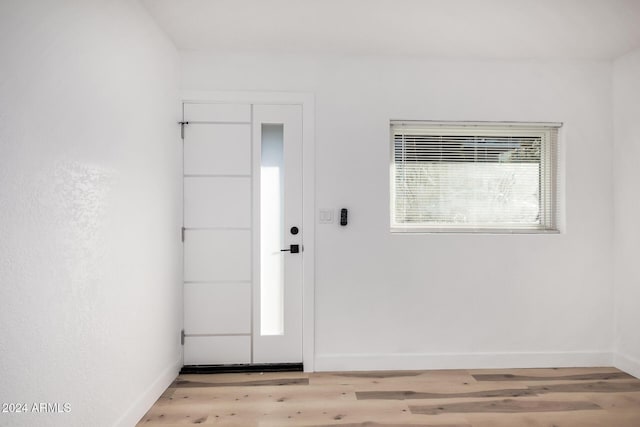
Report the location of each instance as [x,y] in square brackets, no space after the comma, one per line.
[626,93]
[444,300]
[90,211]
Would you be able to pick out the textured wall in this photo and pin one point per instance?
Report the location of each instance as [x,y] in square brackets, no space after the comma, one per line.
[627,210]
[90,213]
[446,300]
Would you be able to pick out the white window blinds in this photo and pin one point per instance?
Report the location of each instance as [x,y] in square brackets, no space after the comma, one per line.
[473,177]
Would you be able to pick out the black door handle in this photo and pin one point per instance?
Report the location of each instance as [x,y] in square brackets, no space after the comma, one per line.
[294,249]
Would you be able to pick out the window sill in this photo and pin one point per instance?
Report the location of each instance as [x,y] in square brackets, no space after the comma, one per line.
[449,230]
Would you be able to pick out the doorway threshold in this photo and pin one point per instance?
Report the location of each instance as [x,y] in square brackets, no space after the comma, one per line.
[240,368]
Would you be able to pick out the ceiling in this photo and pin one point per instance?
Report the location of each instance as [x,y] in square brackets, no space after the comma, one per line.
[506,29]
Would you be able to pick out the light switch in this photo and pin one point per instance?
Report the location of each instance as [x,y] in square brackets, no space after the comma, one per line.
[325,216]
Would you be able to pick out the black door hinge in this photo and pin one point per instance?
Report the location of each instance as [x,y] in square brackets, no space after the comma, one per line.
[182,234]
[182,337]
[182,128]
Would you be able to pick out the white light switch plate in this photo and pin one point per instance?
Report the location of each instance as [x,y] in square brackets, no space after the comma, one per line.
[325,216]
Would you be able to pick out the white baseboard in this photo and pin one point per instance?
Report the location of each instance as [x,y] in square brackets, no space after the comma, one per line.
[136,411]
[407,361]
[627,363]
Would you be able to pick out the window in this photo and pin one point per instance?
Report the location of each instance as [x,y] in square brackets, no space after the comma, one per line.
[473,177]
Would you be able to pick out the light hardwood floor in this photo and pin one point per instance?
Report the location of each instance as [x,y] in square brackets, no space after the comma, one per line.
[567,397]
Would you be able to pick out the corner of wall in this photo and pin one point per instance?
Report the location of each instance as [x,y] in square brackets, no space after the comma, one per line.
[627,364]
[625,274]
[136,411]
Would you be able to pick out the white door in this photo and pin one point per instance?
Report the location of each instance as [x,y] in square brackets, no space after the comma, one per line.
[242,196]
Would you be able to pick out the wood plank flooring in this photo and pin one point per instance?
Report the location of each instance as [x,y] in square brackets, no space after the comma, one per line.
[564,397]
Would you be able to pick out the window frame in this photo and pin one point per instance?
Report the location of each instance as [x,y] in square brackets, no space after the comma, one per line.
[549,163]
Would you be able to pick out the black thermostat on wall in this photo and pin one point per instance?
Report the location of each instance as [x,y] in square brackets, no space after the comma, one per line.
[343,216]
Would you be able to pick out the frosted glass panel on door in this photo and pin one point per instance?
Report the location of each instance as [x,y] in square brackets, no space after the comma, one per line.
[272,231]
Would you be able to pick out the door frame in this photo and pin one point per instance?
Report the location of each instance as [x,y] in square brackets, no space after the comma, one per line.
[307,101]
